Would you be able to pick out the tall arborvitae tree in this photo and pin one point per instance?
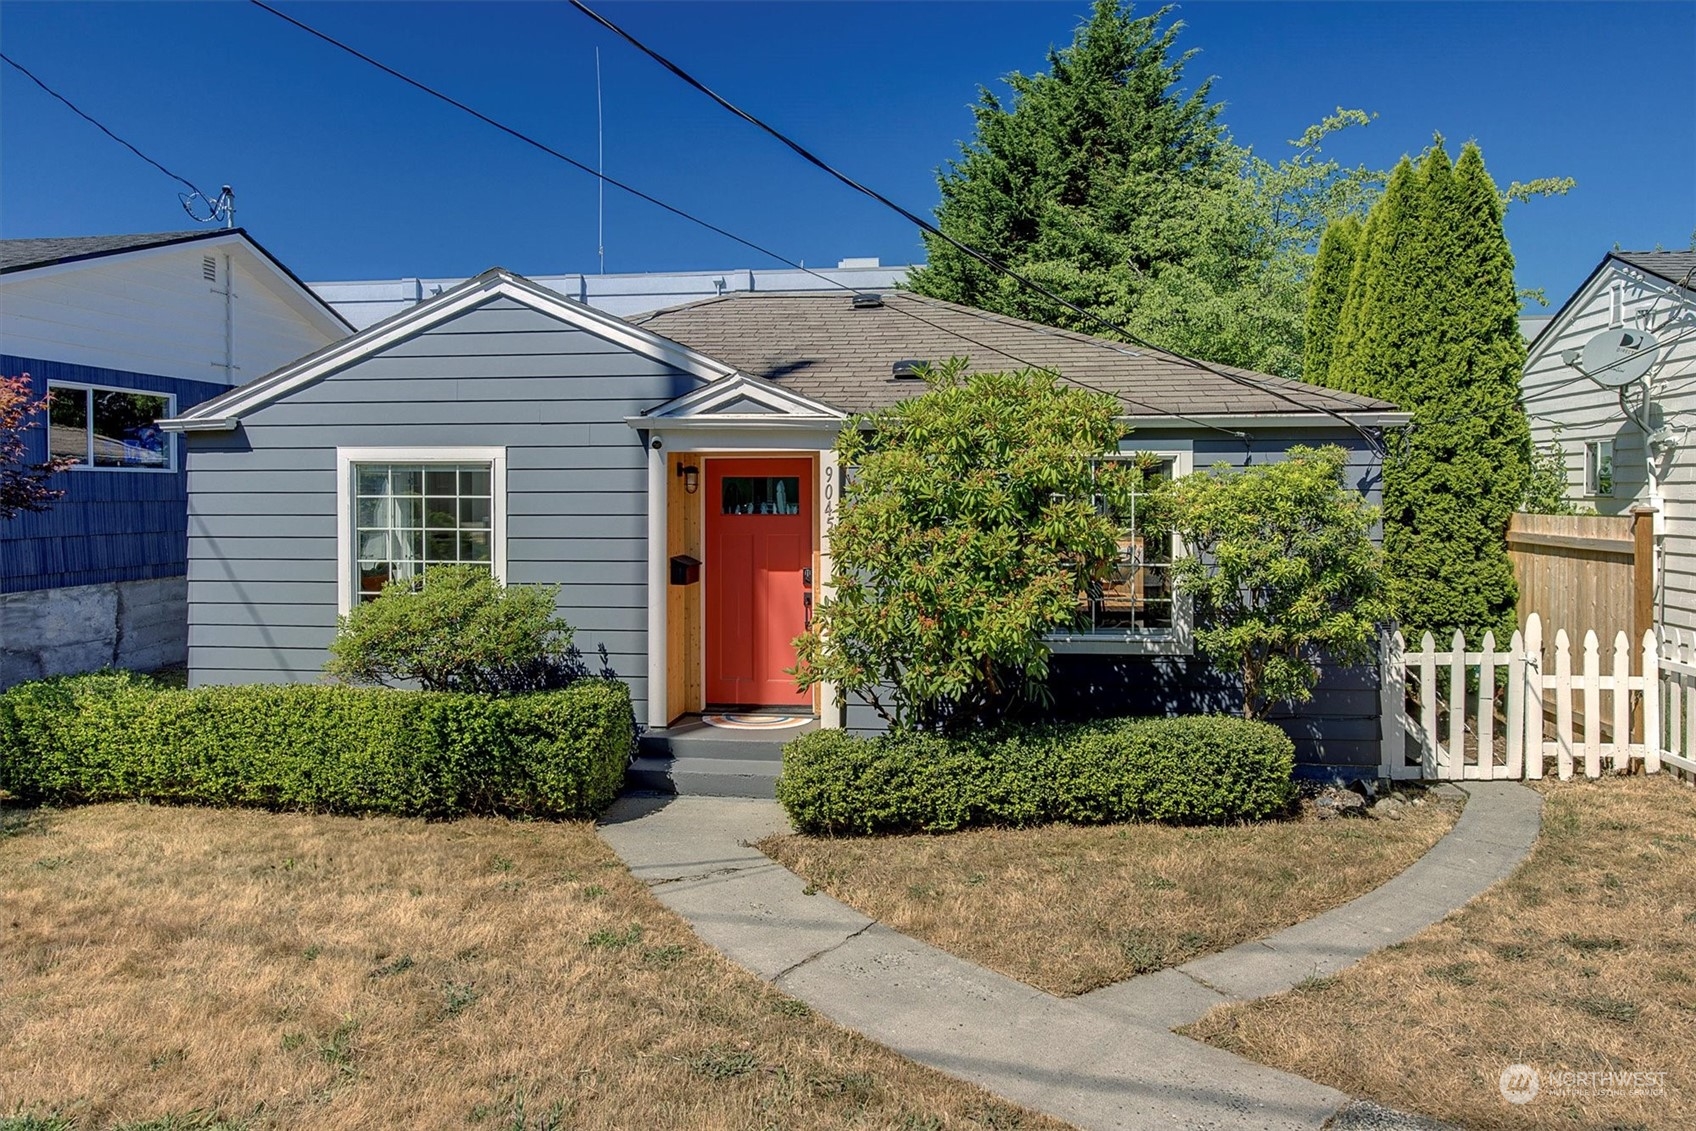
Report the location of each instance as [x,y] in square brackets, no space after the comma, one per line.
[1430,323]
[1330,286]
[1384,299]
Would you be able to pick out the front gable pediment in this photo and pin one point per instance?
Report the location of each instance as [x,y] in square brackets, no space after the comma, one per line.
[742,398]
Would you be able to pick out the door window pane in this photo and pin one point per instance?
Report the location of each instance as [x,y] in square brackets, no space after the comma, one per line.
[761,494]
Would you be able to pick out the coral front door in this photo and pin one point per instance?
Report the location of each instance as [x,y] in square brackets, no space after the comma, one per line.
[759,543]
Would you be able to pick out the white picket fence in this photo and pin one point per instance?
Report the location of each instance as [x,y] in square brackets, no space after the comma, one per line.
[1489,713]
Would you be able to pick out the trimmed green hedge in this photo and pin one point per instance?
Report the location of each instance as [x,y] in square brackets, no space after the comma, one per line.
[1199,770]
[323,748]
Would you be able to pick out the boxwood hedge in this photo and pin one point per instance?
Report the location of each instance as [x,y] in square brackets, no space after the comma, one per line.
[323,748]
[1195,770]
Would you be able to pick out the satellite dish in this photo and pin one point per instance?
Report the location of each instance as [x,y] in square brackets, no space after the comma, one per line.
[1615,358]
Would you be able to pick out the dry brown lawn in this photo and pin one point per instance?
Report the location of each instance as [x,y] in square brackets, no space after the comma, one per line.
[1583,961]
[1070,909]
[305,971]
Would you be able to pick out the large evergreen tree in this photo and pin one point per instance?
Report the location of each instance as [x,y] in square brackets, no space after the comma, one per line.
[1330,286]
[1430,322]
[1095,176]
[1106,182]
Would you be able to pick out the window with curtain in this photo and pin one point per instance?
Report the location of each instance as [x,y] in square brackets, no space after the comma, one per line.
[409,516]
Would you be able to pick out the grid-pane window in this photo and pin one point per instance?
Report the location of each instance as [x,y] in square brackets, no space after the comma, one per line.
[107,427]
[409,516]
[1138,594]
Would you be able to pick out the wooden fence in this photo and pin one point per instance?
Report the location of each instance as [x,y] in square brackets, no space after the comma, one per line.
[1489,713]
[1588,573]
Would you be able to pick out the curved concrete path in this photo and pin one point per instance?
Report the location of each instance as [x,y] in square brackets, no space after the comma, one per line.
[1107,1059]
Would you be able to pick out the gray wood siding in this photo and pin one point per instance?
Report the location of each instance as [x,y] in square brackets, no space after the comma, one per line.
[1336,733]
[262,501]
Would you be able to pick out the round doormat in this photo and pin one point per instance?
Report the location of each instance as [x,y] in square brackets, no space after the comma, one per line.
[756,722]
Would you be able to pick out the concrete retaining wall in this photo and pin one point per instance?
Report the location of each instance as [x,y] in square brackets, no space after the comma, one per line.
[139,625]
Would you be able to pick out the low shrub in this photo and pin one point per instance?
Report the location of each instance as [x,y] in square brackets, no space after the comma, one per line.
[1199,770]
[113,736]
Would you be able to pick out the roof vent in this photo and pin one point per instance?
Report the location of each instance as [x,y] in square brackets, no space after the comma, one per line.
[867,301]
[908,368]
[209,269]
[857,263]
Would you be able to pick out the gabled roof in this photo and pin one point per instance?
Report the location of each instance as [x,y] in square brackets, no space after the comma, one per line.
[23,254]
[225,411]
[739,399]
[35,254]
[824,346]
[1676,267]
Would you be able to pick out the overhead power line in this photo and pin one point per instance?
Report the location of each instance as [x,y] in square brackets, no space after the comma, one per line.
[95,122]
[931,229]
[708,225]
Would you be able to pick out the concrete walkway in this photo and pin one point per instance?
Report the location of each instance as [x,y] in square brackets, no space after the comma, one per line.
[1106,1059]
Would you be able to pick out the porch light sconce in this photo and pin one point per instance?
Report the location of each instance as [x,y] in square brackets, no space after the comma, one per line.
[691,476]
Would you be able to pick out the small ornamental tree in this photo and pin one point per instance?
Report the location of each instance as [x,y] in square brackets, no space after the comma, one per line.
[974,517]
[461,630]
[23,485]
[1283,571]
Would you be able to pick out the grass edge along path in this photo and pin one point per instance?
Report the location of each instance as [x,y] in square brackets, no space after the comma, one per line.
[1583,961]
[1069,909]
[280,970]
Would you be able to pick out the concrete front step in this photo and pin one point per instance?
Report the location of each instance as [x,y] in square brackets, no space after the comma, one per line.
[690,776]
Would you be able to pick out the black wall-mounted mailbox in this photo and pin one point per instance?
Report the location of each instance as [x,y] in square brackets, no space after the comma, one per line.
[685,570]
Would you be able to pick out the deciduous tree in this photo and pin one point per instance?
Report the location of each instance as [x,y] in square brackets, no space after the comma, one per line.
[1283,573]
[23,483]
[974,518]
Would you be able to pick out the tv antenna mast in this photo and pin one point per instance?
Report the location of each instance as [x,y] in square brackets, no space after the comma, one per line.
[223,208]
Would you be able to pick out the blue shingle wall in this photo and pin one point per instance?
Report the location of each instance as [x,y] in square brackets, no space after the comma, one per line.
[109,525]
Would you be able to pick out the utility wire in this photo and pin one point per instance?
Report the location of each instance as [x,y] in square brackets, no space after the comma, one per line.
[693,219]
[95,122]
[931,229]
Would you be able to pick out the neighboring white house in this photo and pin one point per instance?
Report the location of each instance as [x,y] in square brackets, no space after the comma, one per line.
[368,302]
[1634,446]
[120,332]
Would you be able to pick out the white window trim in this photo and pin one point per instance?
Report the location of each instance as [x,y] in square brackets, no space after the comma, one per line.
[1179,640]
[346,459]
[1593,470]
[170,399]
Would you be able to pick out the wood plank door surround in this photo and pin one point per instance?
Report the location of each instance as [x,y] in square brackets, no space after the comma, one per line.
[759,540]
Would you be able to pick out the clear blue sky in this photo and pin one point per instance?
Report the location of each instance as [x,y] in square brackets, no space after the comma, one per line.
[345,173]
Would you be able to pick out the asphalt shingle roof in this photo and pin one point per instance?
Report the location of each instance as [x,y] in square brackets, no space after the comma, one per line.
[22,254]
[1673,266]
[821,346]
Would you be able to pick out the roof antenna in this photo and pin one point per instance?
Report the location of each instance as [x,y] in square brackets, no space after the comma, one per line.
[224,208]
[600,171]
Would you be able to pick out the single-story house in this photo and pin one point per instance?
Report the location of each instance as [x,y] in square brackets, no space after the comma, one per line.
[1627,442]
[675,473]
[123,331]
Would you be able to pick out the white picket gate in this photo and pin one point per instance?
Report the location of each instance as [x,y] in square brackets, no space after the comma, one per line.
[1509,714]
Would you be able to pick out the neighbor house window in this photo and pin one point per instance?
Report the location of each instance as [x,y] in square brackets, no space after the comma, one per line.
[1135,609]
[108,428]
[1599,467]
[406,510]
